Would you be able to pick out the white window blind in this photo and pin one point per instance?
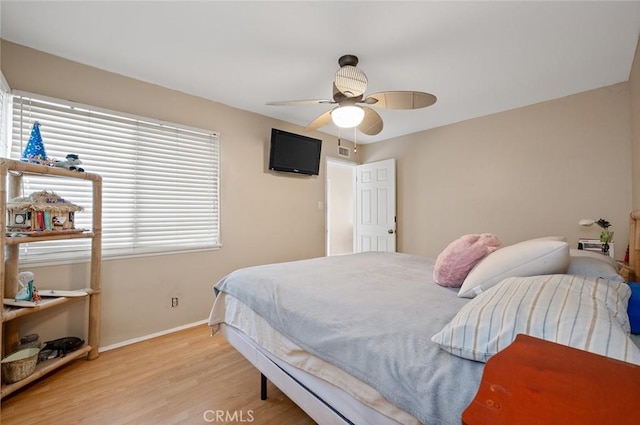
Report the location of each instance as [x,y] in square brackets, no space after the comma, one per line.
[160,181]
[5,98]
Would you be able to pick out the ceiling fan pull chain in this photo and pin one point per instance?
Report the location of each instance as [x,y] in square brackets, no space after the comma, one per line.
[355,140]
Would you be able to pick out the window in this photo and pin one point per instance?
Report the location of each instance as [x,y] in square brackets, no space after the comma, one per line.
[160,180]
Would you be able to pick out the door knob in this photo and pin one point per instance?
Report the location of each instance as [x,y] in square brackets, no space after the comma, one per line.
[390,231]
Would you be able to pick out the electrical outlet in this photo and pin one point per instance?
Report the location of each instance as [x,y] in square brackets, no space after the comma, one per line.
[174,302]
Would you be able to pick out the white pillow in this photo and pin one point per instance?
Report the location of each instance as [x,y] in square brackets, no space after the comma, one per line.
[528,258]
[581,312]
[586,263]
[551,238]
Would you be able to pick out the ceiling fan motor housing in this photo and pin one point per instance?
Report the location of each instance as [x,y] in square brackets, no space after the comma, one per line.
[348,60]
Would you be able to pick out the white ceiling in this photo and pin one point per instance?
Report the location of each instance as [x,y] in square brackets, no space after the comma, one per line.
[478,58]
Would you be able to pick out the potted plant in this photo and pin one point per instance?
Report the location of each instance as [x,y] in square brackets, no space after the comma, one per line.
[606,235]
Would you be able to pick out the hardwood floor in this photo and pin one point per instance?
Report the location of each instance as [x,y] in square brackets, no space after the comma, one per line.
[187,377]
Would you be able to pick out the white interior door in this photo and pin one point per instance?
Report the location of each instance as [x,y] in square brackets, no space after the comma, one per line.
[375,227]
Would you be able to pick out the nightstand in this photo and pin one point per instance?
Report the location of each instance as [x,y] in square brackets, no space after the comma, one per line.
[534,381]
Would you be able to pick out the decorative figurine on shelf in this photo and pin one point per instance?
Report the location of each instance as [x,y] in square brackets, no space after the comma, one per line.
[60,347]
[25,286]
[71,163]
[36,298]
[41,211]
[34,151]
[606,235]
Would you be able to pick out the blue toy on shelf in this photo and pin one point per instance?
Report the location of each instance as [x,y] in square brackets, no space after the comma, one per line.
[34,151]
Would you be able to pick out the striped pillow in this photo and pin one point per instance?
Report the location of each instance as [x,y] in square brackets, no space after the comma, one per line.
[582,312]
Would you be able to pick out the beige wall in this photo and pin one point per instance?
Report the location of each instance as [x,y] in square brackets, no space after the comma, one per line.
[266,217]
[634,82]
[524,173]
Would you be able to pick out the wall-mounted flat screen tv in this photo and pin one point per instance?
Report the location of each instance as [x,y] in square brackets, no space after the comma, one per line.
[294,153]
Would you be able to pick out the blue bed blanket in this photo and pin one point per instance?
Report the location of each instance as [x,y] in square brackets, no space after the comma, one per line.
[373,315]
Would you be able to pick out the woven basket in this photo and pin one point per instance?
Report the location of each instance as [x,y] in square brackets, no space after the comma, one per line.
[19,365]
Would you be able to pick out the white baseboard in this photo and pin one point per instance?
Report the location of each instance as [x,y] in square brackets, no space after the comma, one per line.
[150,336]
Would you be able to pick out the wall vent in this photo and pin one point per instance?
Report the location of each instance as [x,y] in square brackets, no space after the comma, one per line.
[344,151]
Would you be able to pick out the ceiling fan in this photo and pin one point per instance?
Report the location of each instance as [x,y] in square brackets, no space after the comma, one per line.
[349,85]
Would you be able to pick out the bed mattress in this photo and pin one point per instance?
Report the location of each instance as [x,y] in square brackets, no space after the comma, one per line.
[358,402]
[371,315]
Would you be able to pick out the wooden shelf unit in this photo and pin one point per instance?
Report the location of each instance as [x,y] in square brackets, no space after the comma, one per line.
[11,173]
[10,313]
[45,367]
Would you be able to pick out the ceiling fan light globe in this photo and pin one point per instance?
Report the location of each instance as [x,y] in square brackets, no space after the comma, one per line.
[347,116]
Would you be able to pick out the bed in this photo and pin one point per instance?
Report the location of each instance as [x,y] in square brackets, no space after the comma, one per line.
[371,338]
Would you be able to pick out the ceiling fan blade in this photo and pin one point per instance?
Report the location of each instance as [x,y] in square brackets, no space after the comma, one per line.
[300,102]
[401,99]
[372,122]
[321,121]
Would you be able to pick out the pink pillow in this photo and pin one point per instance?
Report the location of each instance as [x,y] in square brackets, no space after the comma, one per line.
[456,261]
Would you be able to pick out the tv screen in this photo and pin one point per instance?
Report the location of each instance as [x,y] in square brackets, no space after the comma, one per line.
[294,153]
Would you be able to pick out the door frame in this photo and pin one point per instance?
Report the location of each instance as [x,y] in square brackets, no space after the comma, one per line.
[328,205]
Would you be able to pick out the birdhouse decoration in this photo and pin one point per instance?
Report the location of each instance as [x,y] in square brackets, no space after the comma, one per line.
[41,211]
[34,151]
